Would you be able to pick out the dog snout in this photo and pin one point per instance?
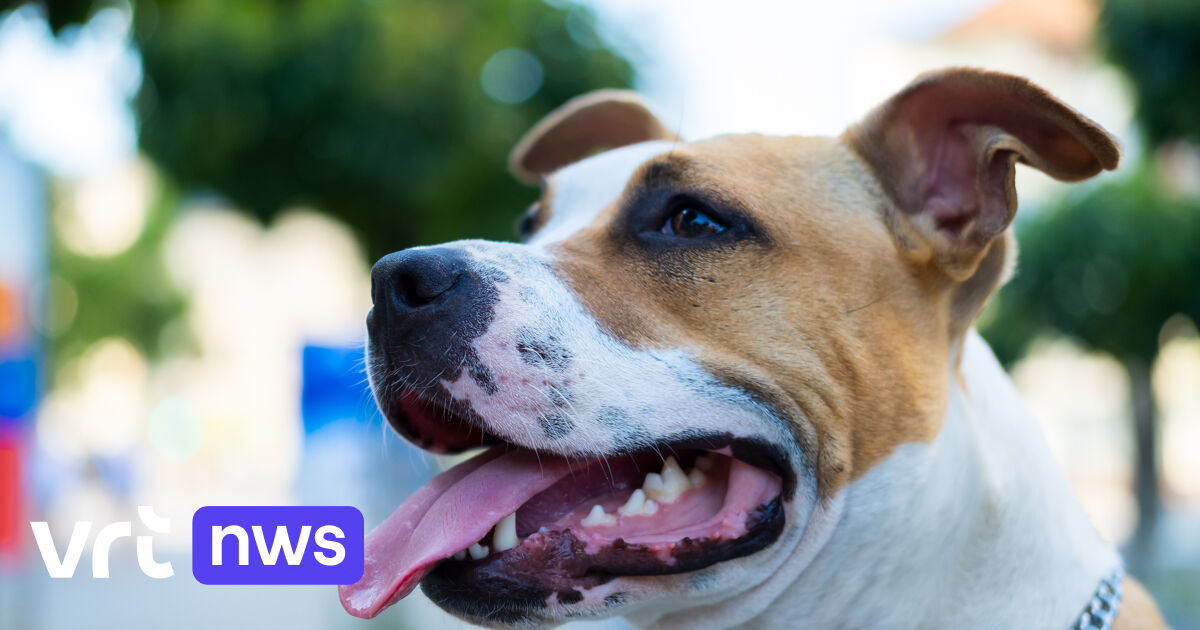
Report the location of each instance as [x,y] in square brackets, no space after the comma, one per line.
[413,279]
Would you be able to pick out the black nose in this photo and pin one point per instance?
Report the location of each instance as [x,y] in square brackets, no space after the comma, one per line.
[431,304]
[415,278]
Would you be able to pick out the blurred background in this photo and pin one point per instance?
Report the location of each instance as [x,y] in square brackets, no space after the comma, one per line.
[192,193]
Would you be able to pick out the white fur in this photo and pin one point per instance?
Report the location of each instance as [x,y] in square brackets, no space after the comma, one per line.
[662,392]
[581,190]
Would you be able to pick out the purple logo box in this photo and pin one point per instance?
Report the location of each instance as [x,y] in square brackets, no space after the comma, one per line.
[277,545]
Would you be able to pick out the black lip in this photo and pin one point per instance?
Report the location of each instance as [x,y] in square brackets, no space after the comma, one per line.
[460,427]
[513,587]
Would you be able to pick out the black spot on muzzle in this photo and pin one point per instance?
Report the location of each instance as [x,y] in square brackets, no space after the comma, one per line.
[538,349]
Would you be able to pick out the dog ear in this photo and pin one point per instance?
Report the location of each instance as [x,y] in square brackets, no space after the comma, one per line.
[944,149]
[583,126]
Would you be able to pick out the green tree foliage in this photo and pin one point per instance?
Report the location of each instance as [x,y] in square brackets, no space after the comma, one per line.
[1107,267]
[1157,43]
[128,295]
[373,111]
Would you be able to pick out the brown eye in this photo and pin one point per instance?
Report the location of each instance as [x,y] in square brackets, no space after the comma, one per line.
[689,221]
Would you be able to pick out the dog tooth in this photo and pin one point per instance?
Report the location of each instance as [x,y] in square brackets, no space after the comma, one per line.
[654,487]
[650,507]
[598,517]
[704,462]
[505,534]
[460,555]
[671,471]
[696,477]
[635,504]
[477,551]
[669,485]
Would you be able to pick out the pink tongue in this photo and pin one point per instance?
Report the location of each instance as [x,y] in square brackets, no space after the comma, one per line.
[448,514]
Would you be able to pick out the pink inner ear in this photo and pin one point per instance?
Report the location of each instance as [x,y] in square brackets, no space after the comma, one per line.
[952,191]
[949,185]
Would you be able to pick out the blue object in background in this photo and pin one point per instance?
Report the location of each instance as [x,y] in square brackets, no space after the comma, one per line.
[18,384]
[334,387]
[22,266]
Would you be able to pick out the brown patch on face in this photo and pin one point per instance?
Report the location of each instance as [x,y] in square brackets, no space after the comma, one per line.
[816,313]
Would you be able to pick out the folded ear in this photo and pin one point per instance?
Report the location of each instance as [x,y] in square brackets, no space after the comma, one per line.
[583,126]
[944,149]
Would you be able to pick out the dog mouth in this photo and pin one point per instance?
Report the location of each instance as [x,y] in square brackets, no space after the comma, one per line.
[513,530]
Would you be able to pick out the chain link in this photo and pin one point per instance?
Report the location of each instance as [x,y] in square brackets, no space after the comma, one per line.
[1102,609]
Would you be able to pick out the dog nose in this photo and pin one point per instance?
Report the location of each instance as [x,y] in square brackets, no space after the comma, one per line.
[414,278]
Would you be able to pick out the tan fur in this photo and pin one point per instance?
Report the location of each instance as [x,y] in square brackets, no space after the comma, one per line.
[853,348]
[1137,610]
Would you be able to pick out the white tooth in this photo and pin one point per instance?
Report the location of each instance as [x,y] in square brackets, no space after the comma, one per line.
[598,517]
[704,462]
[461,555]
[672,473]
[634,505]
[649,507]
[667,487]
[696,477]
[505,534]
[477,551]
[653,486]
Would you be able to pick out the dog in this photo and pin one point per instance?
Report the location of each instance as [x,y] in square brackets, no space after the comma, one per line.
[735,383]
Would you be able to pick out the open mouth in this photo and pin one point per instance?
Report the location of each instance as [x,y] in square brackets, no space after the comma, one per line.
[512,529]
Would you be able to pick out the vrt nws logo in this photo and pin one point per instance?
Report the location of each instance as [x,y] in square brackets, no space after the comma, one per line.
[64,566]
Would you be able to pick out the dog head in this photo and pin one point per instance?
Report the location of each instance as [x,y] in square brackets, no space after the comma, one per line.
[769,316]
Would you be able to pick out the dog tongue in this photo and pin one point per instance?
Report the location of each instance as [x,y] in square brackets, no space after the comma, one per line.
[448,514]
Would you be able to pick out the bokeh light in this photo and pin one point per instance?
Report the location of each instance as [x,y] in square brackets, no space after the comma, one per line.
[511,76]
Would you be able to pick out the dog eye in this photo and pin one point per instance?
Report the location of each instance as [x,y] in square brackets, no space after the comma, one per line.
[691,220]
[525,223]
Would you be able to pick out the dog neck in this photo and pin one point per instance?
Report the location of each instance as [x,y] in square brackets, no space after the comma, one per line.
[976,527]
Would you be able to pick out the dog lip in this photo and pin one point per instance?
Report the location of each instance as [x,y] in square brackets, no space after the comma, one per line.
[435,423]
[515,586]
[459,430]
[757,452]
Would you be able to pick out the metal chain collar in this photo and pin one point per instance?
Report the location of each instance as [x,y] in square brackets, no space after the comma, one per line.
[1102,609]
